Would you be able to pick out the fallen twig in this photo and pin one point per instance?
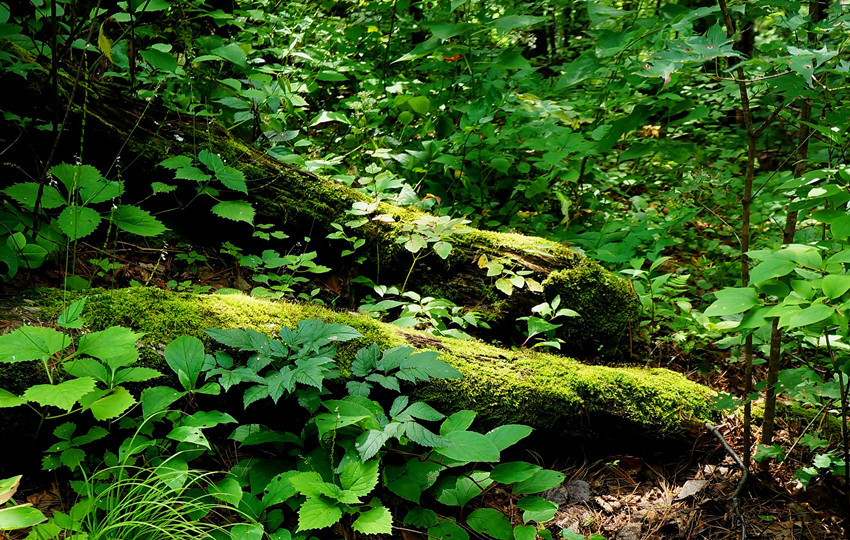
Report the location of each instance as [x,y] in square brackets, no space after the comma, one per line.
[745,473]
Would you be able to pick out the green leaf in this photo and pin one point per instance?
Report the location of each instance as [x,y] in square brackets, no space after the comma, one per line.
[537,509]
[20,517]
[280,489]
[87,367]
[834,285]
[318,513]
[811,315]
[247,531]
[540,481]
[443,249]
[8,487]
[233,179]
[63,395]
[771,268]
[176,162]
[359,478]
[185,355]
[325,116]
[377,520]
[458,421]
[8,399]
[31,343]
[468,446]
[510,22]
[114,404]
[71,315]
[25,194]
[72,457]
[732,300]
[160,60]
[135,374]
[492,523]
[505,285]
[448,530]
[526,532]
[157,399]
[508,435]
[189,434]
[116,345]
[78,221]
[235,210]
[370,443]
[415,243]
[515,471]
[232,53]
[101,191]
[137,221]
[191,173]
[75,176]
[419,104]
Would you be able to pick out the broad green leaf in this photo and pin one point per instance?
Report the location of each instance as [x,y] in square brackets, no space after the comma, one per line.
[100,192]
[20,517]
[235,210]
[78,221]
[72,457]
[185,355]
[232,178]
[447,530]
[505,285]
[25,194]
[771,268]
[232,53]
[515,471]
[8,487]
[189,434]
[280,489]
[377,520]
[810,315]
[158,399]
[540,481]
[419,104]
[160,60]
[508,435]
[458,421]
[87,367]
[176,162]
[325,116]
[31,343]
[114,404]
[537,509]
[116,345]
[246,531]
[415,243]
[468,446]
[526,532]
[492,523]
[191,173]
[137,221]
[8,399]
[135,374]
[732,300]
[359,478]
[318,513]
[63,395]
[510,22]
[834,285]
[75,176]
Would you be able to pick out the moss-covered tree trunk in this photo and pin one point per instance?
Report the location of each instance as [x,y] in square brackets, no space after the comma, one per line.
[130,137]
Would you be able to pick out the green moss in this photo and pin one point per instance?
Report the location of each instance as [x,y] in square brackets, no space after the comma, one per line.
[542,390]
[605,303]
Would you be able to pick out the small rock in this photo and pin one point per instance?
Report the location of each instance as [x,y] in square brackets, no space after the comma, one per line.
[558,495]
[578,491]
[630,531]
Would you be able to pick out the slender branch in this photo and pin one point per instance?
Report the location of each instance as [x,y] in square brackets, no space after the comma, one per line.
[744,81]
[745,473]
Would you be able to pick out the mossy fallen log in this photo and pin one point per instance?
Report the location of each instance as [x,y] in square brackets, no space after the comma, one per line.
[143,133]
[546,391]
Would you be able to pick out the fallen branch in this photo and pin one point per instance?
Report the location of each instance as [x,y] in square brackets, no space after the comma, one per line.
[745,474]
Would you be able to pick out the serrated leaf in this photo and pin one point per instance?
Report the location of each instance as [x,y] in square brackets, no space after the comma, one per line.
[63,395]
[31,343]
[75,176]
[370,443]
[359,478]
[377,520]
[25,194]
[72,457]
[235,211]
[116,345]
[233,179]
[137,221]
[176,162]
[491,522]
[157,399]
[318,513]
[114,404]
[8,399]
[78,221]
[191,173]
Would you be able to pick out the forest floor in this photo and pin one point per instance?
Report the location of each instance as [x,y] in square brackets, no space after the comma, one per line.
[659,491]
